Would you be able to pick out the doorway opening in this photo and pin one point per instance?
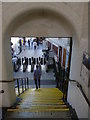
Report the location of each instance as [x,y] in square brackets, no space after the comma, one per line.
[54,56]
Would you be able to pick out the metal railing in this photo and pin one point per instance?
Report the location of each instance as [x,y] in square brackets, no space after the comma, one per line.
[22,84]
[81,89]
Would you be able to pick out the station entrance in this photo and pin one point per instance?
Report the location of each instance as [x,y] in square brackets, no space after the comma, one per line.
[53,55]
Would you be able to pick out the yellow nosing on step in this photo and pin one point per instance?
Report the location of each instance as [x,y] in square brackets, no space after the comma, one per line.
[37,110]
[41,100]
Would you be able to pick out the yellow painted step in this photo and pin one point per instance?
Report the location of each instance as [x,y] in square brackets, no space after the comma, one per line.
[41,100]
[47,92]
[41,106]
[37,110]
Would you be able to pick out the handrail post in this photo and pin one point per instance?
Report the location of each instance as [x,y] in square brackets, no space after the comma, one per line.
[22,85]
[65,90]
[18,87]
[25,83]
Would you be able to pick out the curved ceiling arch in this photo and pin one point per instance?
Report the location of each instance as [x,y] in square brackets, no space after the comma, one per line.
[47,21]
[57,25]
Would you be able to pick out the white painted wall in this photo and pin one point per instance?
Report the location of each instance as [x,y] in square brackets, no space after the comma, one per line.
[0,40]
[9,96]
[75,98]
[0,58]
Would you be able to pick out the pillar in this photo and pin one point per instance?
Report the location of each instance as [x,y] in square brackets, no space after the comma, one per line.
[6,76]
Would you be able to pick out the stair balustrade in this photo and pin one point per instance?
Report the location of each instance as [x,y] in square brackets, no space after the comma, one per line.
[21,85]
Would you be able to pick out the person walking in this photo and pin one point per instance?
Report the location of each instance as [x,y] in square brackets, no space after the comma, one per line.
[35,45]
[37,75]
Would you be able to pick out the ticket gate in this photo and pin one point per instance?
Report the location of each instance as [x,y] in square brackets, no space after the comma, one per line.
[16,65]
[25,64]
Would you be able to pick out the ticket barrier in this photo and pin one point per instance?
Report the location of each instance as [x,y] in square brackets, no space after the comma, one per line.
[17,65]
[41,61]
[34,61]
[32,66]
[32,58]
[29,61]
[37,60]
[25,64]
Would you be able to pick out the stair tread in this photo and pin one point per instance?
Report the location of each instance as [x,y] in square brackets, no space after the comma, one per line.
[39,114]
[40,104]
[41,107]
[37,110]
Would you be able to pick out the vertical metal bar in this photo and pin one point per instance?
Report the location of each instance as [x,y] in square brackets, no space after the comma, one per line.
[18,87]
[25,83]
[22,85]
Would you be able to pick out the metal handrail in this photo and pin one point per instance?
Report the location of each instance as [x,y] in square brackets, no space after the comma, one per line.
[5,81]
[81,89]
[24,85]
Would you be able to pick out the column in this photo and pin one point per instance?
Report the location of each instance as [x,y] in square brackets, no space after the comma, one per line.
[6,77]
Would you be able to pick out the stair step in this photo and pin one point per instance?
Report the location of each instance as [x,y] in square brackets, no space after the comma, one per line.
[41,103]
[41,107]
[38,110]
[36,114]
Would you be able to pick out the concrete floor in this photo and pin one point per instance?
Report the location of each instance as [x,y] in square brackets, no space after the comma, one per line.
[47,78]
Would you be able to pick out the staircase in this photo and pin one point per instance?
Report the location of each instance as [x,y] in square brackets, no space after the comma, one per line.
[40,103]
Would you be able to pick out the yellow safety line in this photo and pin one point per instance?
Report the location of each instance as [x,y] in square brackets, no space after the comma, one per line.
[39,110]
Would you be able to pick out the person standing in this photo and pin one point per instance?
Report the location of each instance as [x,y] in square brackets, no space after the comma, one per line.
[24,42]
[29,43]
[20,45]
[39,67]
[32,66]
[37,75]
[37,40]
[35,44]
